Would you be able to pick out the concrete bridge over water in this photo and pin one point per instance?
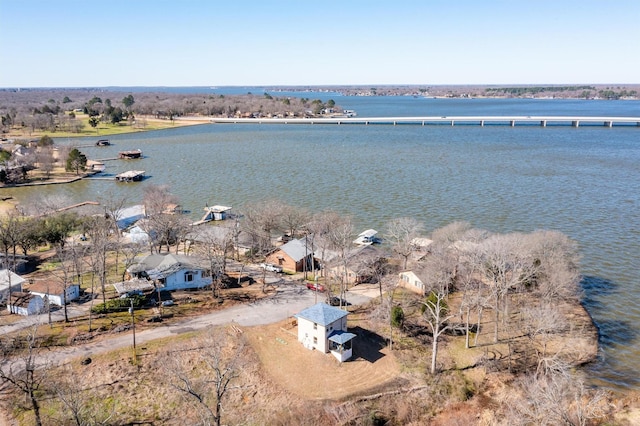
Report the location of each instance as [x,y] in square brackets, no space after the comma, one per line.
[544,121]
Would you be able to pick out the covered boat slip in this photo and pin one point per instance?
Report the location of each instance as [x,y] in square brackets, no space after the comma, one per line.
[128,155]
[131,176]
[367,237]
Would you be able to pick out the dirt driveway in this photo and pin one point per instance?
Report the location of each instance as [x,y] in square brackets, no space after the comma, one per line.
[288,300]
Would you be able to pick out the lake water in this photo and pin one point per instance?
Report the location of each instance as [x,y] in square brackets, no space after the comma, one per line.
[582,181]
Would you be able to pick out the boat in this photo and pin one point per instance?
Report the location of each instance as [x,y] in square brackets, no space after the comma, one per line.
[103,142]
[128,155]
[131,176]
[367,237]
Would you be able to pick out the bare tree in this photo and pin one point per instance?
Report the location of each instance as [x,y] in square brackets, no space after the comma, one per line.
[9,239]
[294,219]
[451,233]
[79,403]
[320,227]
[438,272]
[475,296]
[507,266]
[400,233]
[98,229]
[213,243]
[113,207]
[27,372]
[260,221]
[208,378]
[64,272]
[557,260]
[341,239]
[556,399]
[45,160]
[540,321]
[129,253]
[160,225]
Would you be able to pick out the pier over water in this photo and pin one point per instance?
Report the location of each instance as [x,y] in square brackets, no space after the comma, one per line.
[543,121]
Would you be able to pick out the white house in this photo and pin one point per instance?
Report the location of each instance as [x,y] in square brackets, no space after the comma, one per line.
[410,281]
[324,328]
[25,304]
[172,271]
[55,291]
[6,277]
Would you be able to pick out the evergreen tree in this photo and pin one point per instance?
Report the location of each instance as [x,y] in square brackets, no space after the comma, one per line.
[77,161]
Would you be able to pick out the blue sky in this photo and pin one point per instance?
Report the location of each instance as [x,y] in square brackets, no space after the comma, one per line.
[73,43]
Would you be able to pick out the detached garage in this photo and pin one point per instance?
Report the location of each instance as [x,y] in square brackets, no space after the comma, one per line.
[25,304]
[55,292]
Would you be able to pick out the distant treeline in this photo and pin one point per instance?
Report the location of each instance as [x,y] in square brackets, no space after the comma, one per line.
[586,92]
[536,89]
[54,109]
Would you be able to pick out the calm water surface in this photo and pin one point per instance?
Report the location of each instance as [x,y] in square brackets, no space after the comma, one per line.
[584,182]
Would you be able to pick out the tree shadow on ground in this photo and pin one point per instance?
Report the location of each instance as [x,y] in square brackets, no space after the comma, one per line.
[368,345]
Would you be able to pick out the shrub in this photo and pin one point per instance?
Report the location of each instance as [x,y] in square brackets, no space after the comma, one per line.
[118,305]
[397,316]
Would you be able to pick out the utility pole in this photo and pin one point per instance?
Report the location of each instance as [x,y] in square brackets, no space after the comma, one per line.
[133,325]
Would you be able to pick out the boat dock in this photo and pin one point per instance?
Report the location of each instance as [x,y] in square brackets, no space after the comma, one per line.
[542,121]
[131,176]
[128,155]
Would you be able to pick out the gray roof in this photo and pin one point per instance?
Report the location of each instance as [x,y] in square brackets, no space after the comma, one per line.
[297,250]
[322,314]
[130,215]
[341,337]
[163,265]
[4,279]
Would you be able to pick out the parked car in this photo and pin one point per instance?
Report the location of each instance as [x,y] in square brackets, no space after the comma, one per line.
[315,287]
[271,268]
[167,303]
[335,301]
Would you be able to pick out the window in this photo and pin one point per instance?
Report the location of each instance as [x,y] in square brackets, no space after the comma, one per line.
[188,276]
[315,340]
[315,326]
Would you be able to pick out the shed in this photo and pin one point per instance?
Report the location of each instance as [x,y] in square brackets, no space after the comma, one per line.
[55,291]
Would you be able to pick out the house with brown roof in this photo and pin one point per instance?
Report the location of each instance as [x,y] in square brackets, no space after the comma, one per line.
[294,256]
[25,304]
[54,291]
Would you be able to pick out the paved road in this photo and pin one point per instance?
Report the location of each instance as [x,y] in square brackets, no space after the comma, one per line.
[287,301]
